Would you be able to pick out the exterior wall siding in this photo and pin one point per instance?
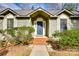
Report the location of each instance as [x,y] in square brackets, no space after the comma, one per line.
[52,26]
[23,22]
[63,16]
[75,24]
[1,23]
[9,15]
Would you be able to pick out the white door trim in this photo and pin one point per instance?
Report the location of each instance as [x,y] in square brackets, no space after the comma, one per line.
[44,25]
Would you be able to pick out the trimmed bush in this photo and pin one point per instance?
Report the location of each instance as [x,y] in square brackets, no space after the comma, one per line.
[17,35]
[56,34]
[30,29]
[11,32]
[68,39]
[24,37]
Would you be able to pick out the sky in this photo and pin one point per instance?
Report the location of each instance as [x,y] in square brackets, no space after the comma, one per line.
[29,5]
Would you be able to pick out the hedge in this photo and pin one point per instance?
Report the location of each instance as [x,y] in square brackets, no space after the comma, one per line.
[68,38]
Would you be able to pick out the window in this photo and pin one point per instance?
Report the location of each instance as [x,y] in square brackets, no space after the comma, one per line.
[63,25]
[10,23]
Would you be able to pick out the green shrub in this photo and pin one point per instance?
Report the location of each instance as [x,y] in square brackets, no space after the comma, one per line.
[11,32]
[30,29]
[18,34]
[24,42]
[18,42]
[69,38]
[24,37]
[29,36]
[1,31]
[56,34]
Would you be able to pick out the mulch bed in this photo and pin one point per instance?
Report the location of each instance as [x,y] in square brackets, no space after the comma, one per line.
[63,52]
[55,50]
[17,50]
[3,51]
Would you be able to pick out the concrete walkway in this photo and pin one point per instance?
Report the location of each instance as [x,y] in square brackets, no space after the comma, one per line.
[39,50]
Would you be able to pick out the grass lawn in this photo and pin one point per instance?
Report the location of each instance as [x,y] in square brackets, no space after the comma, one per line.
[18,50]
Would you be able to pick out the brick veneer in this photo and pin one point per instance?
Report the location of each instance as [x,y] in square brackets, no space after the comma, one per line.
[40,39]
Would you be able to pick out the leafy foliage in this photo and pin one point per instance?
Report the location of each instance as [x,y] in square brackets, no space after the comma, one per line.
[10,32]
[1,31]
[30,29]
[68,38]
[24,34]
[69,7]
[56,34]
[19,35]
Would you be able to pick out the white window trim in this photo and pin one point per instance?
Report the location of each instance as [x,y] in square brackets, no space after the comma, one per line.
[66,22]
[9,15]
[10,19]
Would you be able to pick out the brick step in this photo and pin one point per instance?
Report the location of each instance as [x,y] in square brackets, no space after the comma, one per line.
[40,40]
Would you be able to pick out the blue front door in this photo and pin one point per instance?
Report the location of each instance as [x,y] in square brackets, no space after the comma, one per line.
[39,28]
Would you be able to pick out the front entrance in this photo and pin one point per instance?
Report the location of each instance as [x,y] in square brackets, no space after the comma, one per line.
[40,21]
[39,28]
[40,31]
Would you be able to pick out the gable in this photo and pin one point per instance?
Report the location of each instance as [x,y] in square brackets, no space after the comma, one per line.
[63,15]
[40,10]
[8,10]
[65,12]
[9,15]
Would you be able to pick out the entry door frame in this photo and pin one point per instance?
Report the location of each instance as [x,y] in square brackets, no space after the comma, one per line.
[44,25]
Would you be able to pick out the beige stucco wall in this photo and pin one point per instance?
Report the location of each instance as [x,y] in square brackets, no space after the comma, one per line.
[1,23]
[23,22]
[63,16]
[9,15]
[75,24]
[17,22]
[52,26]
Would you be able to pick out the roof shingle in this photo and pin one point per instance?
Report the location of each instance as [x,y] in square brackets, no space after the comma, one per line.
[25,12]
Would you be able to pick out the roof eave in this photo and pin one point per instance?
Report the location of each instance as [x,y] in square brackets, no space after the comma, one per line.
[74,17]
[64,11]
[53,17]
[25,17]
[1,17]
[40,9]
[8,9]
